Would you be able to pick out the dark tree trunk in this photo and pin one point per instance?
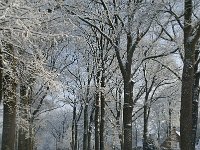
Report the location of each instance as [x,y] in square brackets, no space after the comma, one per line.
[21,139]
[23,142]
[119,109]
[102,115]
[97,114]
[73,127]
[195,101]
[158,131]
[187,79]
[31,138]
[1,75]
[90,129]
[89,137]
[127,114]
[148,89]
[9,117]
[102,84]
[23,135]
[170,120]
[85,136]
[9,104]
[76,142]
[169,123]
[186,99]
[145,130]
[9,114]
[76,136]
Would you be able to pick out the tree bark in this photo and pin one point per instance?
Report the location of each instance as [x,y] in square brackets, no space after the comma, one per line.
[8,135]
[97,114]
[102,84]
[23,135]
[9,114]
[170,119]
[9,104]
[85,136]
[90,129]
[102,124]
[31,138]
[1,75]
[186,99]
[73,127]
[145,130]
[136,134]
[195,101]
[119,110]
[187,81]
[76,136]
[127,114]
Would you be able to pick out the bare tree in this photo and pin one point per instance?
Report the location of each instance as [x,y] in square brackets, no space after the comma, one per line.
[191,36]
[9,112]
[120,24]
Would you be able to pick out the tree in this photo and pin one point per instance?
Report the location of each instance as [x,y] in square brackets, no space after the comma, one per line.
[24,139]
[9,111]
[154,82]
[117,67]
[1,75]
[190,27]
[195,97]
[58,127]
[122,28]
[191,36]
[19,34]
[8,89]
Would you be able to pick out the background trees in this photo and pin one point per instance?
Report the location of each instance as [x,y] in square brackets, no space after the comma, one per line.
[109,70]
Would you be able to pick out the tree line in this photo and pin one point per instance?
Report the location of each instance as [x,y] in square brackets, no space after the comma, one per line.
[99,74]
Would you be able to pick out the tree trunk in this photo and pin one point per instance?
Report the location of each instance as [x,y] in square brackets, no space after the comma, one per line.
[85,137]
[102,122]
[187,81]
[9,114]
[76,136]
[136,134]
[158,133]
[1,75]
[9,104]
[31,138]
[73,127]
[195,101]
[90,130]
[145,130]
[9,117]
[23,141]
[89,137]
[119,109]
[97,114]
[97,138]
[186,99]
[170,120]
[127,114]
[23,135]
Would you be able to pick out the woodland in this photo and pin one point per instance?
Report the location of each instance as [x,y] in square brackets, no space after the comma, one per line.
[99,74]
